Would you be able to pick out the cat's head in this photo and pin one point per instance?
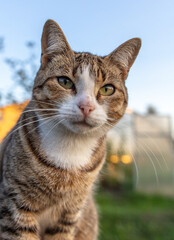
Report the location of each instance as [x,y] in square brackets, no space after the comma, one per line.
[83,93]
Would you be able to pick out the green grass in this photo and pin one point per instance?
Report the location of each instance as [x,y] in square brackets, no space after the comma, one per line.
[135,217]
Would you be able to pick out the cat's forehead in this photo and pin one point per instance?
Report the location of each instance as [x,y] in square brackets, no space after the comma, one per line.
[86,63]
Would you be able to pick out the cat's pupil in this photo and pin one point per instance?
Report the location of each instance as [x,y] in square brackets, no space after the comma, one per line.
[106,89]
[65,81]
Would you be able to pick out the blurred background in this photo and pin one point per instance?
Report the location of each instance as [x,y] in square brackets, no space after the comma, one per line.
[135,195]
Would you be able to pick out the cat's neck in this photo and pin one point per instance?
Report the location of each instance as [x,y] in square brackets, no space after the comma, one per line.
[65,149]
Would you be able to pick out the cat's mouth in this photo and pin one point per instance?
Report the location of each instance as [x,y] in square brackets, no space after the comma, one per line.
[82,124]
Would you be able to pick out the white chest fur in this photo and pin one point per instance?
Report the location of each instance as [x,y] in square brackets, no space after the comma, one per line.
[67,150]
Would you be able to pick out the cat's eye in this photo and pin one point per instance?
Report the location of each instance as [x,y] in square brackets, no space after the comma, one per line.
[107,90]
[66,83]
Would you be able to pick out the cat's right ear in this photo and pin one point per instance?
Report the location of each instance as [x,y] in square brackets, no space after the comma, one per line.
[53,42]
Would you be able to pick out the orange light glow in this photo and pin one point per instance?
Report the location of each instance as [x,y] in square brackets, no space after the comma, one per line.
[126,159]
[129,111]
[114,159]
[9,116]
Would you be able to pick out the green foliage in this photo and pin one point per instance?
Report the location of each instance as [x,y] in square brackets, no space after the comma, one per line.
[117,176]
[135,216]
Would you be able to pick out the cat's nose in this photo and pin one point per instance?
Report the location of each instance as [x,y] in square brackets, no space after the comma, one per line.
[86,109]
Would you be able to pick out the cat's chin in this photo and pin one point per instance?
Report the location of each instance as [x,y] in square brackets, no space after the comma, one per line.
[82,127]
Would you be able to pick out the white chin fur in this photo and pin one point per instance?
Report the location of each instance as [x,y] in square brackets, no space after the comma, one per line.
[66,149]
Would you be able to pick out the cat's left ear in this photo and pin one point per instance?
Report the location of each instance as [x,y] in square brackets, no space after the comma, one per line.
[53,42]
[124,56]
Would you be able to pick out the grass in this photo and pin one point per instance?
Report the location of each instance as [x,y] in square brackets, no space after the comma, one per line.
[135,216]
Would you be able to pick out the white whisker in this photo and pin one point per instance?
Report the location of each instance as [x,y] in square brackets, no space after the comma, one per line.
[48,103]
[52,128]
[46,121]
[42,115]
[151,160]
[157,147]
[164,160]
[110,124]
[25,125]
[39,109]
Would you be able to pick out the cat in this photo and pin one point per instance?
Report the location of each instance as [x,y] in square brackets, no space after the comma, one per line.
[52,157]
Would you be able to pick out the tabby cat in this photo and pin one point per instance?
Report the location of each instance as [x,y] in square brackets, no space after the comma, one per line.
[52,157]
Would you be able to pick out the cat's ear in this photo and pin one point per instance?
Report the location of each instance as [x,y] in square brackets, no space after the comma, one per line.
[124,56]
[53,42]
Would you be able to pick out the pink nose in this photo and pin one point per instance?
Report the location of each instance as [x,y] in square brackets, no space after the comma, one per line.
[86,109]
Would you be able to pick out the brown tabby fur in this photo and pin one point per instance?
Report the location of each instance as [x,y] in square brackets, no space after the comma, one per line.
[37,199]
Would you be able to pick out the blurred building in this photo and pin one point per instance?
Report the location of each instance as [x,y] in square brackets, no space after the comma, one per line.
[146,142]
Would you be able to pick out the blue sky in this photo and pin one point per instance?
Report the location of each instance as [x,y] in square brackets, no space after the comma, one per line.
[99,27]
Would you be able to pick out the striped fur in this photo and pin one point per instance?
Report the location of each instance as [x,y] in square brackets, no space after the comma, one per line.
[51,159]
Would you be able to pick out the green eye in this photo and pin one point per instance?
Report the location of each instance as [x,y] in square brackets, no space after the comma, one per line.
[65,82]
[107,90]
